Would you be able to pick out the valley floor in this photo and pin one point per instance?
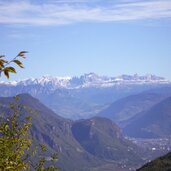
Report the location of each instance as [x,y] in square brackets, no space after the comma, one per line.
[154,147]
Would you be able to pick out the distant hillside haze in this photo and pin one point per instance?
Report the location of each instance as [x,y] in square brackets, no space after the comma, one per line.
[144,115]
[50,129]
[126,108]
[155,122]
[111,149]
[97,143]
[84,96]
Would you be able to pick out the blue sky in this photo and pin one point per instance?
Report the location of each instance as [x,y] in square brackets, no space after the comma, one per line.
[72,37]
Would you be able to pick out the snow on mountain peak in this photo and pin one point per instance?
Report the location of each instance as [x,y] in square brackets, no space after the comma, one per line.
[89,80]
[46,81]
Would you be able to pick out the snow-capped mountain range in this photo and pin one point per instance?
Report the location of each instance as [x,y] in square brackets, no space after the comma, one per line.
[83,96]
[89,80]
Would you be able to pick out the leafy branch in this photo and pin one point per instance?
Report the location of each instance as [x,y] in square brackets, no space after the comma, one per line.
[16,143]
[5,65]
[17,152]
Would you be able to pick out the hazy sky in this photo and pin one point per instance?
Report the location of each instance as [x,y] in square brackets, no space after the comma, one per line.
[72,37]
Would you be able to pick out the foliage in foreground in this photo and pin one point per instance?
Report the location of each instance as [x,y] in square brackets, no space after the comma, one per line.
[16,150]
[6,65]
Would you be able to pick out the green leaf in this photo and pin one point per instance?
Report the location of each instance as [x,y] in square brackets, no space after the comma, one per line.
[10,69]
[6,127]
[2,62]
[7,70]
[43,147]
[6,73]
[22,54]
[19,63]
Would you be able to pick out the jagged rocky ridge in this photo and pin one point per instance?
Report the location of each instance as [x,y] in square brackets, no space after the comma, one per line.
[89,80]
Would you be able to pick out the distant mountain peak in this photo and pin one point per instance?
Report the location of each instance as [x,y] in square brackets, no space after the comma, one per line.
[89,80]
